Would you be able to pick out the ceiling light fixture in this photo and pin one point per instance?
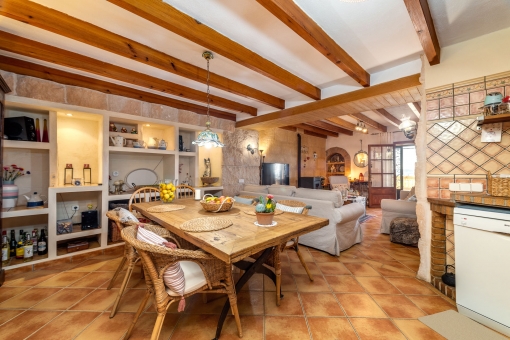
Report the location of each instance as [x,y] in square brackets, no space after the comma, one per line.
[408,127]
[361,157]
[360,126]
[207,137]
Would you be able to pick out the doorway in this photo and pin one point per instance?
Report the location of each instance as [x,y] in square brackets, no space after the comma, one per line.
[405,160]
[381,173]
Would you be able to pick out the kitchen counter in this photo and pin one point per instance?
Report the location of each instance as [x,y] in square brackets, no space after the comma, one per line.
[482,199]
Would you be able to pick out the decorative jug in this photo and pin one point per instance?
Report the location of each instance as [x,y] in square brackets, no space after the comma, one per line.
[118,141]
[35,200]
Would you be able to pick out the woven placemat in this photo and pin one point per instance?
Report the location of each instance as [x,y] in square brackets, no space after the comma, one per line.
[251,212]
[198,225]
[165,208]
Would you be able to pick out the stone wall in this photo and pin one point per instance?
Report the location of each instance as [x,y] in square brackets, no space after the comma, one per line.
[30,87]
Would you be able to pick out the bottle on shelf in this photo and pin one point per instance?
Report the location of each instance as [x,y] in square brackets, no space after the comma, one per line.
[20,250]
[13,244]
[6,252]
[35,235]
[42,243]
[28,249]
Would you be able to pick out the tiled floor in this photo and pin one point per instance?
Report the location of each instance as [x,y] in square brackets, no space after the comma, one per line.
[369,292]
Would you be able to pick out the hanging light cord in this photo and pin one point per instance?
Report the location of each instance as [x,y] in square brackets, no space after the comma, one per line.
[208,123]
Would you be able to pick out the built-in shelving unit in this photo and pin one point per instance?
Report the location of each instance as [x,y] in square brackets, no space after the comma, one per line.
[501,118]
[80,136]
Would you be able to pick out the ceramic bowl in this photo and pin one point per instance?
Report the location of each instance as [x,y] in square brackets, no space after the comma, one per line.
[493,98]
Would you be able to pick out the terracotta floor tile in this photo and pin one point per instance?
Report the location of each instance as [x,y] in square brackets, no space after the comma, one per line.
[331,328]
[361,269]
[62,280]
[431,304]
[130,301]
[416,330]
[324,257]
[196,305]
[297,268]
[88,266]
[105,328]
[333,268]
[288,284]
[403,256]
[398,306]
[293,257]
[344,284]
[321,304]
[413,265]
[289,305]
[256,282]
[360,305]
[380,329]
[317,285]
[253,328]
[411,286]
[135,280]
[377,255]
[9,292]
[145,325]
[98,300]
[25,324]
[93,279]
[389,270]
[6,315]
[250,303]
[29,279]
[29,298]
[66,326]
[286,328]
[377,285]
[63,299]
[111,265]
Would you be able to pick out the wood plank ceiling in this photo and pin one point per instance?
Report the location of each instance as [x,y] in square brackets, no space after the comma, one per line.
[320,118]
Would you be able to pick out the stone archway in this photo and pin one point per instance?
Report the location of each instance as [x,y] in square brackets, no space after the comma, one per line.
[346,156]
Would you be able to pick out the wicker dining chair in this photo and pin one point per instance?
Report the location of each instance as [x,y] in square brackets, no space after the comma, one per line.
[184,191]
[130,257]
[145,194]
[156,259]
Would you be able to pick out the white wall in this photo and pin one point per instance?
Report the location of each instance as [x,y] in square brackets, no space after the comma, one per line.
[479,57]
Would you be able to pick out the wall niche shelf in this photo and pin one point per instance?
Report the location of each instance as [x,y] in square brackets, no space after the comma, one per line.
[501,118]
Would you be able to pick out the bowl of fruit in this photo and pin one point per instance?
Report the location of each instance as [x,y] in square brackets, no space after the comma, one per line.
[217,204]
[166,192]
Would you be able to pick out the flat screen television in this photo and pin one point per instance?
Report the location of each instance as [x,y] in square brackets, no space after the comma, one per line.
[275,173]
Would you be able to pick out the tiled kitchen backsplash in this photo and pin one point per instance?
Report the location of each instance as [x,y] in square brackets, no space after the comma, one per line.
[454,146]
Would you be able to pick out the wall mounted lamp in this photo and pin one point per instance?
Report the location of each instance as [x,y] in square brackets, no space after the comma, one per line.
[314,155]
[251,149]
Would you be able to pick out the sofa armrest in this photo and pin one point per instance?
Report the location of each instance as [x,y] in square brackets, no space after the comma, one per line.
[349,212]
[403,194]
[404,207]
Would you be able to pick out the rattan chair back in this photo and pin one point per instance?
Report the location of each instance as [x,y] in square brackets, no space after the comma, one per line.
[296,204]
[184,191]
[145,194]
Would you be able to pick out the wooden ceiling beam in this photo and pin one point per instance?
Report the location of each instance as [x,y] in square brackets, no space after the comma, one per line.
[417,105]
[166,16]
[316,130]
[297,20]
[343,123]
[34,70]
[368,121]
[315,134]
[330,127]
[60,23]
[334,106]
[423,24]
[30,48]
[389,117]
[289,128]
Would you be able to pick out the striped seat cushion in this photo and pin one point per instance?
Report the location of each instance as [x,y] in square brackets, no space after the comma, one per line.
[297,210]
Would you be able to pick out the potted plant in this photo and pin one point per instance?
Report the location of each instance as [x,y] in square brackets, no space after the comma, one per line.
[264,210]
[10,190]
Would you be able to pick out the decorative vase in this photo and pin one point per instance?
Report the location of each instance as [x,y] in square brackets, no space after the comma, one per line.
[45,132]
[181,144]
[9,194]
[264,218]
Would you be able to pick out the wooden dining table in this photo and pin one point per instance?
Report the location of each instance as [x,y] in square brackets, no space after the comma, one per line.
[237,242]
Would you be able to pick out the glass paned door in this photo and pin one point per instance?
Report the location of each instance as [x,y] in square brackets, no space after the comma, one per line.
[381,173]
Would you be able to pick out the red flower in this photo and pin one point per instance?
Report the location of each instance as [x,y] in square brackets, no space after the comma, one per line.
[270,196]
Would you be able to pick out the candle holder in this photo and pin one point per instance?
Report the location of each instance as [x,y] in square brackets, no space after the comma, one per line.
[68,174]
[87,174]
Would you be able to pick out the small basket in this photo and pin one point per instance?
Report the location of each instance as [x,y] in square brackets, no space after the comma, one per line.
[216,207]
[498,186]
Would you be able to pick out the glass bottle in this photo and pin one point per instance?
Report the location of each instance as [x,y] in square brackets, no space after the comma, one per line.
[42,243]
[35,235]
[45,131]
[6,252]
[20,250]
[13,244]
[28,251]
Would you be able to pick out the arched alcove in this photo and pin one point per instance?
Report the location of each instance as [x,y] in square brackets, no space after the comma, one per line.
[344,157]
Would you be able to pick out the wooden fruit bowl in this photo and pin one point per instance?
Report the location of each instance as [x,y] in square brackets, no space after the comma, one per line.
[209,180]
[217,207]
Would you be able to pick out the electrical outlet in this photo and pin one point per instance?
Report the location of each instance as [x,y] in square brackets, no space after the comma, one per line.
[241,180]
[75,207]
[115,173]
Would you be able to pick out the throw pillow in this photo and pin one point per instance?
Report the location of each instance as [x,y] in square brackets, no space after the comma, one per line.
[243,200]
[126,216]
[297,210]
[412,198]
[173,276]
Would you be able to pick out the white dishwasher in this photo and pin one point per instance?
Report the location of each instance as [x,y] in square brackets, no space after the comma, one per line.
[482,265]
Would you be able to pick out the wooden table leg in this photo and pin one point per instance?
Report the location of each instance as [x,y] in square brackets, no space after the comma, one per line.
[252,269]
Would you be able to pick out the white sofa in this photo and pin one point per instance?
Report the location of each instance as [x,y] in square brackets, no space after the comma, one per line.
[343,230]
[396,208]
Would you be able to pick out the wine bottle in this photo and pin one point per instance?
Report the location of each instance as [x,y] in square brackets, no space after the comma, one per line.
[13,244]
[20,250]
[45,131]
[37,130]
[34,239]
[6,252]
[28,249]
[42,244]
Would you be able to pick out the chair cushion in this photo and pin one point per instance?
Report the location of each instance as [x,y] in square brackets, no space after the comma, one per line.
[282,190]
[297,210]
[174,277]
[243,200]
[260,189]
[193,277]
[126,216]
